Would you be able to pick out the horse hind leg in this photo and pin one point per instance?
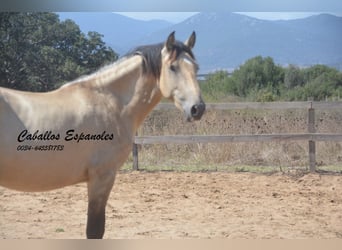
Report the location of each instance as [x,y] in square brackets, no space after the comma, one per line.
[98,193]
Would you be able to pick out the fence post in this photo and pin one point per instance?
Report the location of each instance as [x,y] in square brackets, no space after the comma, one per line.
[312,144]
[135,155]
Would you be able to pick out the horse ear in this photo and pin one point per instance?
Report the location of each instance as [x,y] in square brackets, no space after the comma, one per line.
[191,40]
[170,41]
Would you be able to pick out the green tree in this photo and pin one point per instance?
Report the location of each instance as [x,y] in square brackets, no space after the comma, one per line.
[258,73]
[39,52]
[260,79]
[317,82]
[293,77]
[217,86]
[315,71]
[323,82]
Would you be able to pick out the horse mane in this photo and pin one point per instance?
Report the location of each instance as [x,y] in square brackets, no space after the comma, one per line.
[152,56]
[152,59]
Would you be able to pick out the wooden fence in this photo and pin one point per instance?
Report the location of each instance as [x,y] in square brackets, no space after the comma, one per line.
[311,136]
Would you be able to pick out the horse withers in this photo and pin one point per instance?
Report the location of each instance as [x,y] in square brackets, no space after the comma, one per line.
[83,131]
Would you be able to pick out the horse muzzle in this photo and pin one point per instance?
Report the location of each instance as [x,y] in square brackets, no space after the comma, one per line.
[196,112]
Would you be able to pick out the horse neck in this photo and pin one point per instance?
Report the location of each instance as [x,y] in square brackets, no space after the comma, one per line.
[146,97]
[137,93]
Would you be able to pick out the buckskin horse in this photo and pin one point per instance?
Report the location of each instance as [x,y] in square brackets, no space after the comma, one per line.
[84,130]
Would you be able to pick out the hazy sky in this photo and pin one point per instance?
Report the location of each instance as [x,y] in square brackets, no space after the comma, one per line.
[168,16]
[180,16]
[174,5]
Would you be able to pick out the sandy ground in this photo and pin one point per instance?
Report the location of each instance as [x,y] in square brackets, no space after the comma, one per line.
[185,205]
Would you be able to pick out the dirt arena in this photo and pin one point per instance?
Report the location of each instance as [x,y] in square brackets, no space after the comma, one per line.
[175,205]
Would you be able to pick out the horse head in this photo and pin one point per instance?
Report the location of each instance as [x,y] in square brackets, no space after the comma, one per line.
[178,80]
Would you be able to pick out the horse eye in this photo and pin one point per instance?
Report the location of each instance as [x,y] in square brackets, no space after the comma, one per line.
[173,68]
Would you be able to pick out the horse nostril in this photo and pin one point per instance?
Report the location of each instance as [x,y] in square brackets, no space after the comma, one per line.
[194,110]
[197,110]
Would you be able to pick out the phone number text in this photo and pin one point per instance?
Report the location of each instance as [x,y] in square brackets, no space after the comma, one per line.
[40,148]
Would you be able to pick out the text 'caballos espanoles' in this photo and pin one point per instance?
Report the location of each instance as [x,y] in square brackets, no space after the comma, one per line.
[69,136]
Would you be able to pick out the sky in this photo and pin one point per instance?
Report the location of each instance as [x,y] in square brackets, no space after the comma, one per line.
[173,17]
[173,6]
[176,17]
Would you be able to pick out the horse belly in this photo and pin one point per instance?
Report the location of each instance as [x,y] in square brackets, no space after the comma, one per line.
[40,171]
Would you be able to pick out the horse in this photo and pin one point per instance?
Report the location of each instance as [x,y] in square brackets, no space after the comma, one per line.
[83,131]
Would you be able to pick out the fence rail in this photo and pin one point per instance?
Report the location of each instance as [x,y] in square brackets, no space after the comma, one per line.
[311,136]
[193,139]
[261,105]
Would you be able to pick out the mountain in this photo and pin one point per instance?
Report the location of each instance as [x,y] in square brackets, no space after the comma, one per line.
[226,40]
[120,32]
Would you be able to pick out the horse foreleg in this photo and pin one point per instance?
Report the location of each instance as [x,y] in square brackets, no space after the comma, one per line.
[99,188]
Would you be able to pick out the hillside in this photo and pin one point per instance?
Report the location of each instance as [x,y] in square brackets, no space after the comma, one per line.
[120,32]
[226,40]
